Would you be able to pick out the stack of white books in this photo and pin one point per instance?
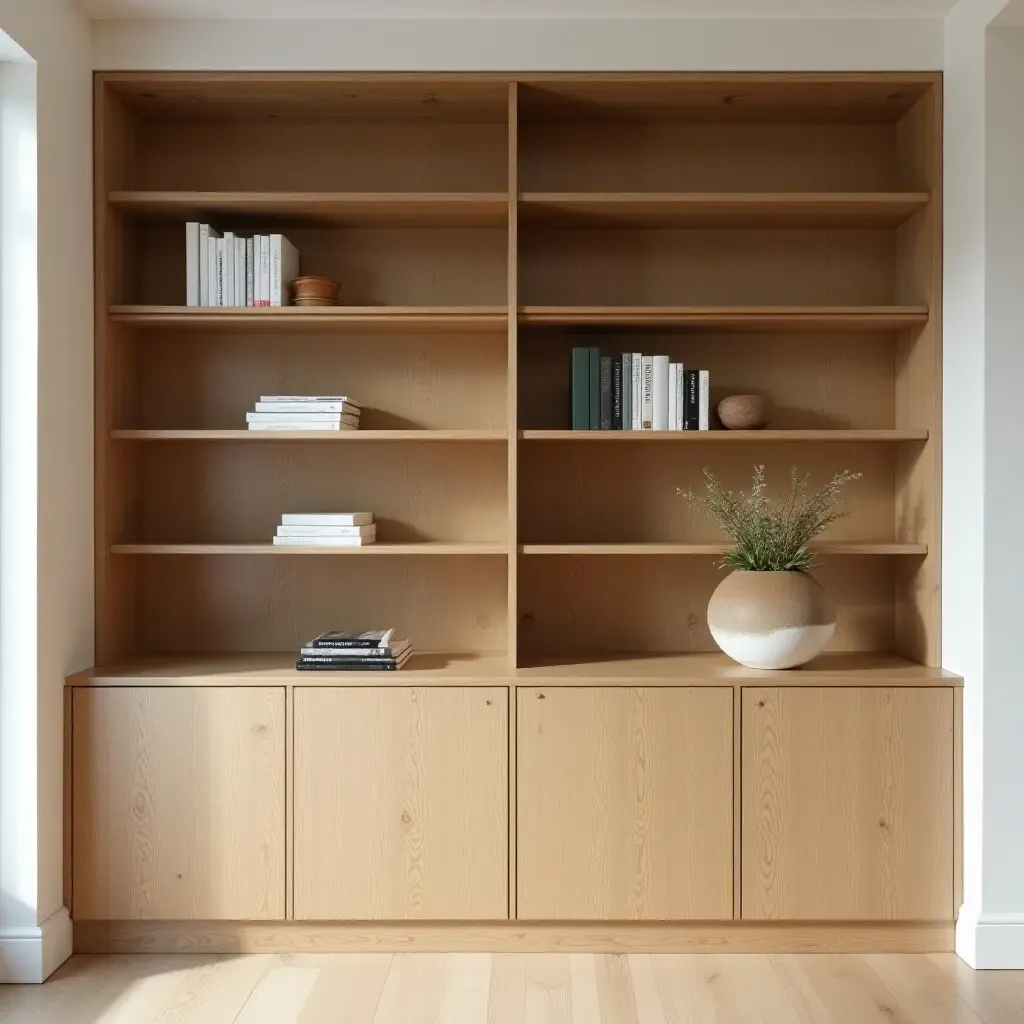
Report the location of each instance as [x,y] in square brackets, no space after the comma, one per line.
[304,412]
[230,270]
[326,529]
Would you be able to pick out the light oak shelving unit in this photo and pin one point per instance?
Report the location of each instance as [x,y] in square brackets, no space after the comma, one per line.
[781,231]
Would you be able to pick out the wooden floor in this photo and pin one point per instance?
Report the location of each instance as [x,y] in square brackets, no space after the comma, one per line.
[477,988]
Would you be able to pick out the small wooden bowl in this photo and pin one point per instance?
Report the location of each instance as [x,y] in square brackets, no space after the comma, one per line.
[315,291]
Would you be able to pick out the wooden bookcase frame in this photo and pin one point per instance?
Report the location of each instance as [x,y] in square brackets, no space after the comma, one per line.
[623,208]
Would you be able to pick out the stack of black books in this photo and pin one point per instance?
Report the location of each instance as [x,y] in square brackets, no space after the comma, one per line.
[374,651]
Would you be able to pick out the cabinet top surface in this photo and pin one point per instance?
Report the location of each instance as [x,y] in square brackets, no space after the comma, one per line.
[489,669]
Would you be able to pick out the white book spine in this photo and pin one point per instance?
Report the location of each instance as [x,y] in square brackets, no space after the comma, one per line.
[250,272]
[673,376]
[275,270]
[660,384]
[211,271]
[296,417]
[192,263]
[310,398]
[240,271]
[636,411]
[303,426]
[680,423]
[327,542]
[305,407]
[264,270]
[229,269]
[326,518]
[704,413]
[647,384]
[221,271]
[327,531]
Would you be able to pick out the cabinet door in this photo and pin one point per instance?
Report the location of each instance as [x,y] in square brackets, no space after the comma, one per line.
[401,803]
[179,803]
[847,804]
[624,803]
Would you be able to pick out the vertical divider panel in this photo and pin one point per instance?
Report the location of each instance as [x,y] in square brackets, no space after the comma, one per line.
[919,383]
[512,413]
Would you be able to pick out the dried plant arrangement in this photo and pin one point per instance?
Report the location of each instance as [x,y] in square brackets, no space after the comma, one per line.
[770,536]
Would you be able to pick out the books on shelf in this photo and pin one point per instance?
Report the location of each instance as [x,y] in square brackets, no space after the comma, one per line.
[374,651]
[232,270]
[304,412]
[326,529]
[632,391]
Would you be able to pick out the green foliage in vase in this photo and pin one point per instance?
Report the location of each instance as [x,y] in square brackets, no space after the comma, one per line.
[770,536]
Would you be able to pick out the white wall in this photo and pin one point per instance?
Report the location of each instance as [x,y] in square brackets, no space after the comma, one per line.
[522,45]
[46,589]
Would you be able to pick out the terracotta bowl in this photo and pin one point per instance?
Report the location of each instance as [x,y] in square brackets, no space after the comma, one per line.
[743,412]
[315,291]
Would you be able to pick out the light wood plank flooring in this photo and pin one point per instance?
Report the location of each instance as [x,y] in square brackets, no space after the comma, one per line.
[478,988]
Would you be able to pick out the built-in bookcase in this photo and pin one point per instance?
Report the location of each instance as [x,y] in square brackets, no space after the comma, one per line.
[782,232]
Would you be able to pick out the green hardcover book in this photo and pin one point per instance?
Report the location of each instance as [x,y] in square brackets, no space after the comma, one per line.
[595,389]
[581,389]
[605,420]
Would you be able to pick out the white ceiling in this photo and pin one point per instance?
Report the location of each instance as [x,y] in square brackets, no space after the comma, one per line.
[516,8]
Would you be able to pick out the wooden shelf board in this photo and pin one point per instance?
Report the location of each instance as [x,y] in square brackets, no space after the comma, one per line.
[348,436]
[668,548]
[381,548]
[322,319]
[793,319]
[722,436]
[720,209]
[490,668]
[340,209]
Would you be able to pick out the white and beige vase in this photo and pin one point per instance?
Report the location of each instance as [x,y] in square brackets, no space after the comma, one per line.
[771,619]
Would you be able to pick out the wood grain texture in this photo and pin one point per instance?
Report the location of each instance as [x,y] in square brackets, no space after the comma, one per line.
[313,319]
[708,266]
[572,605]
[835,380]
[427,548]
[847,804]
[179,804]
[503,988]
[417,436]
[417,493]
[724,436]
[403,383]
[919,385]
[720,209]
[513,936]
[245,603]
[624,804]
[401,804]
[355,209]
[651,548]
[728,318]
[646,668]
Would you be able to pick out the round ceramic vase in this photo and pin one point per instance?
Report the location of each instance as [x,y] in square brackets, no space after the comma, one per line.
[771,619]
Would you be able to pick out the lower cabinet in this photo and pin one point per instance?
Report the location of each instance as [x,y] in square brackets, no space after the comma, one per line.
[179,803]
[847,803]
[624,800]
[401,803]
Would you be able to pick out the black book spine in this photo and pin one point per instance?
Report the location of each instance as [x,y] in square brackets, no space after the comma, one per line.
[606,393]
[692,400]
[617,393]
[327,646]
[340,654]
[352,665]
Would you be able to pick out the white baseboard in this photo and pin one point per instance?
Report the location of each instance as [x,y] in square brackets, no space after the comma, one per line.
[991,942]
[30,955]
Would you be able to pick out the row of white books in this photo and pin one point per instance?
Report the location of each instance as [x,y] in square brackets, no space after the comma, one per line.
[304,412]
[229,270]
[326,529]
